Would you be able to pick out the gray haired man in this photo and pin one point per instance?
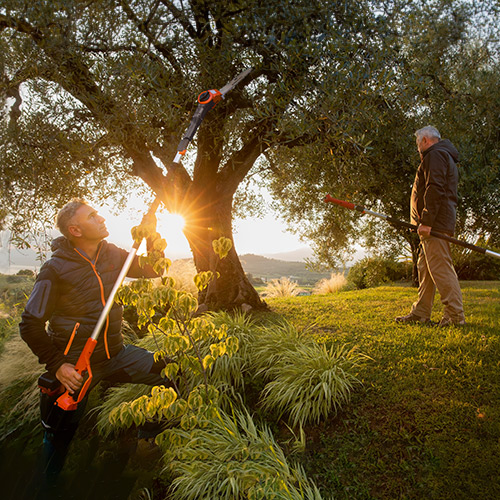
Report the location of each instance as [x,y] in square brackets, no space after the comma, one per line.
[433,205]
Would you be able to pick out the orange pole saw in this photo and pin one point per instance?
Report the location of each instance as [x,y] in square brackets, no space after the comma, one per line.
[50,384]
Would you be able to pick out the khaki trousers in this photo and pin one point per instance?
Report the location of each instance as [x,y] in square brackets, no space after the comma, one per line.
[435,270]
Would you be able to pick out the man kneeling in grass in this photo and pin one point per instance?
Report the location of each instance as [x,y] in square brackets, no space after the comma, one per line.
[67,299]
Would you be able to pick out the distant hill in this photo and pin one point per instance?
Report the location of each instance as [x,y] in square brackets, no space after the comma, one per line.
[267,269]
[298,255]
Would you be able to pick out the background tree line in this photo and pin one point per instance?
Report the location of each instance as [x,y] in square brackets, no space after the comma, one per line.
[96,96]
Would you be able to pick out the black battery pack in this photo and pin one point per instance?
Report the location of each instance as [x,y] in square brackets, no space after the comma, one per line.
[49,383]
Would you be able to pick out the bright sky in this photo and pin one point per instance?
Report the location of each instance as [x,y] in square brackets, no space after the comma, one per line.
[259,236]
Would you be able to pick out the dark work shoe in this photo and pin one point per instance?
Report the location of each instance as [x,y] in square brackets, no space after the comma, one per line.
[411,319]
[449,322]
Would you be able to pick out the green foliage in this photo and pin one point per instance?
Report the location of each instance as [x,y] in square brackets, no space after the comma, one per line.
[374,271]
[471,265]
[229,372]
[14,291]
[311,382]
[114,397]
[306,380]
[222,246]
[188,345]
[232,458]
[19,392]
[434,63]
[337,90]
[283,287]
[26,272]
[210,361]
[270,342]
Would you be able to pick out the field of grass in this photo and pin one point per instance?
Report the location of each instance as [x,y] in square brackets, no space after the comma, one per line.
[426,423]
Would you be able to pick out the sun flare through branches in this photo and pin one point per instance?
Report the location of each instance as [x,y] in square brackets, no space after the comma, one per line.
[170,226]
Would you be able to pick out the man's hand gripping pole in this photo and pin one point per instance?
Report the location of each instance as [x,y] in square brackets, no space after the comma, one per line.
[66,401]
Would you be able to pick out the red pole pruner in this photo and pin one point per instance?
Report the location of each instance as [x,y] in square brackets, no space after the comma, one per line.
[396,222]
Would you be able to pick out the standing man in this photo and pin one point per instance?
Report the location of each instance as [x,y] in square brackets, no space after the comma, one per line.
[433,206]
[67,299]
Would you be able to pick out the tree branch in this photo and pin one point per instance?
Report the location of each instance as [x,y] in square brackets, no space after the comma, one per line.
[240,163]
[179,16]
[142,26]
[75,77]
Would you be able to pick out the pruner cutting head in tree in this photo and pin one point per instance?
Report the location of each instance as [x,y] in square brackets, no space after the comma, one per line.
[433,206]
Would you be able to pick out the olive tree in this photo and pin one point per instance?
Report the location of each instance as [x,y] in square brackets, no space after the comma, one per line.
[445,69]
[98,94]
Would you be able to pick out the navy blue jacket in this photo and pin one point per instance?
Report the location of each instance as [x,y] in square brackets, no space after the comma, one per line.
[67,299]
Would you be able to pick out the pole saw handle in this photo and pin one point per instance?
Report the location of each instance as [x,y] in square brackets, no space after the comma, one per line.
[342,203]
[67,401]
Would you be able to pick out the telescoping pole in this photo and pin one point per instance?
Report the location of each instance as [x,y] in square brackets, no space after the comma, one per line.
[396,222]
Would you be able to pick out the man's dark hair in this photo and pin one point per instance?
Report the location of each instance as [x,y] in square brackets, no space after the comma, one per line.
[66,213]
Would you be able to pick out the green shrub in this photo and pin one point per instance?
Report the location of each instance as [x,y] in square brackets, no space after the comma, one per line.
[26,272]
[232,459]
[374,271]
[14,291]
[471,265]
[115,396]
[12,278]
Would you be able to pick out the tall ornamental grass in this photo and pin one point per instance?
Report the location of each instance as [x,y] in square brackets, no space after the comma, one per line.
[333,284]
[231,370]
[271,341]
[19,393]
[311,382]
[232,459]
[305,379]
[283,287]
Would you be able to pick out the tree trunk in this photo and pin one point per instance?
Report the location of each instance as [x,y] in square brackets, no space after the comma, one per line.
[207,220]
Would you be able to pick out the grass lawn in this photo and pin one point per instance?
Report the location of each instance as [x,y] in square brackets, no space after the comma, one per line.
[426,423]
